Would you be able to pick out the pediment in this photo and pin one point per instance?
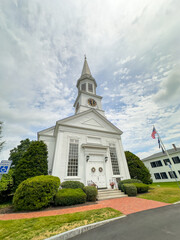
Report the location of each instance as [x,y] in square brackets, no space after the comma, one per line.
[92,120]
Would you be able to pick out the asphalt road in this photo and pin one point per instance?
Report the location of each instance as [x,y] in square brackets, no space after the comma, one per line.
[155,224]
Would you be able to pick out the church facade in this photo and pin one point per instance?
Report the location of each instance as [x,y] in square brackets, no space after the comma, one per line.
[86,146]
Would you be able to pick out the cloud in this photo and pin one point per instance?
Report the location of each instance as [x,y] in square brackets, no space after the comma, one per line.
[169,88]
[131,47]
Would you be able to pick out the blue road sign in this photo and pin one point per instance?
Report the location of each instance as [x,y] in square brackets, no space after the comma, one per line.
[3,169]
[5,166]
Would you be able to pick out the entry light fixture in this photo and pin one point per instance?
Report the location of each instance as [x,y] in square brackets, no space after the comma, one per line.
[106,158]
[87,158]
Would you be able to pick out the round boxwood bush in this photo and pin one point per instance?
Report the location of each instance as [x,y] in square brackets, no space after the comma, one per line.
[91,193]
[120,183]
[141,187]
[130,189]
[67,197]
[36,192]
[72,184]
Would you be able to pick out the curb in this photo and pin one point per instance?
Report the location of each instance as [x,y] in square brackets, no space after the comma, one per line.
[76,231]
[177,202]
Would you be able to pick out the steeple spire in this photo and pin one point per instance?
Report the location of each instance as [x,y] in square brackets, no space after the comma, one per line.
[86,69]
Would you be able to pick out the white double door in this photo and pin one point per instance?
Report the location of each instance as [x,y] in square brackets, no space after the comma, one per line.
[96,171]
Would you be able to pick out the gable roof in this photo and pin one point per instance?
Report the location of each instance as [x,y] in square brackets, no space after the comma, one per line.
[48,131]
[76,116]
[160,154]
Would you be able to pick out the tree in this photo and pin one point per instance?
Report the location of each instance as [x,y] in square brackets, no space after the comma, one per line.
[17,153]
[1,143]
[137,169]
[6,186]
[33,163]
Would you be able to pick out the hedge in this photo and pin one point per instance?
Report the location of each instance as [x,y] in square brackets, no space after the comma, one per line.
[67,197]
[130,189]
[72,184]
[141,187]
[120,183]
[36,192]
[91,193]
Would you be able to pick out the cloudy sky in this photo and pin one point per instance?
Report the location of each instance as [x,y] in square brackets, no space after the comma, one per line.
[133,51]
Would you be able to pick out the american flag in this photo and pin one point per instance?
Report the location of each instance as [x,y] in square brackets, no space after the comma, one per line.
[153,133]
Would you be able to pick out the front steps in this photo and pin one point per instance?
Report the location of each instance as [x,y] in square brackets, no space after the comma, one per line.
[109,193]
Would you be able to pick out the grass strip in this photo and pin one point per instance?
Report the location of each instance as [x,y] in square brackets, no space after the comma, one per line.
[44,227]
[5,205]
[164,192]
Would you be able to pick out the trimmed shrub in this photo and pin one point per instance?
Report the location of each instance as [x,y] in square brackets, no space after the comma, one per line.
[120,183]
[141,187]
[33,163]
[137,169]
[36,192]
[67,197]
[130,189]
[72,184]
[91,193]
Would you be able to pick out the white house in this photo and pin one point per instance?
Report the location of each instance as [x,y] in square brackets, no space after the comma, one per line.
[86,146]
[162,168]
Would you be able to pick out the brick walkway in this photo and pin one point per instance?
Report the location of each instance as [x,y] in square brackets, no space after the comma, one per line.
[126,205]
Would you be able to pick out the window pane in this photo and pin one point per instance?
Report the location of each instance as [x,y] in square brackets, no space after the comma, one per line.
[157,176]
[83,87]
[73,160]
[114,161]
[166,161]
[172,174]
[163,175]
[156,164]
[90,87]
[176,160]
[153,165]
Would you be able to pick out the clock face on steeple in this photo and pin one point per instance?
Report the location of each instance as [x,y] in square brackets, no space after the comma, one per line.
[92,102]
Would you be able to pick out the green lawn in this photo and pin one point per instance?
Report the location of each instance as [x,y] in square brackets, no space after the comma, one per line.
[44,227]
[164,192]
[4,205]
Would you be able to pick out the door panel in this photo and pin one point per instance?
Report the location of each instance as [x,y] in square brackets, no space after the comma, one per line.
[98,176]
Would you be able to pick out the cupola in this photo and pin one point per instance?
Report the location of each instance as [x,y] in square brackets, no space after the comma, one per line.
[86,82]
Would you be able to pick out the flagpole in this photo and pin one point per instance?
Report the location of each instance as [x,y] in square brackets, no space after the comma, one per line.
[168,156]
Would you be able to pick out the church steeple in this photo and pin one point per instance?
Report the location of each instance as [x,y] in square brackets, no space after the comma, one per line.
[87,97]
[86,82]
[85,69]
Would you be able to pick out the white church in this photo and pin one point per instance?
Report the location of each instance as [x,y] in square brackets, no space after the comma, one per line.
[86,147]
